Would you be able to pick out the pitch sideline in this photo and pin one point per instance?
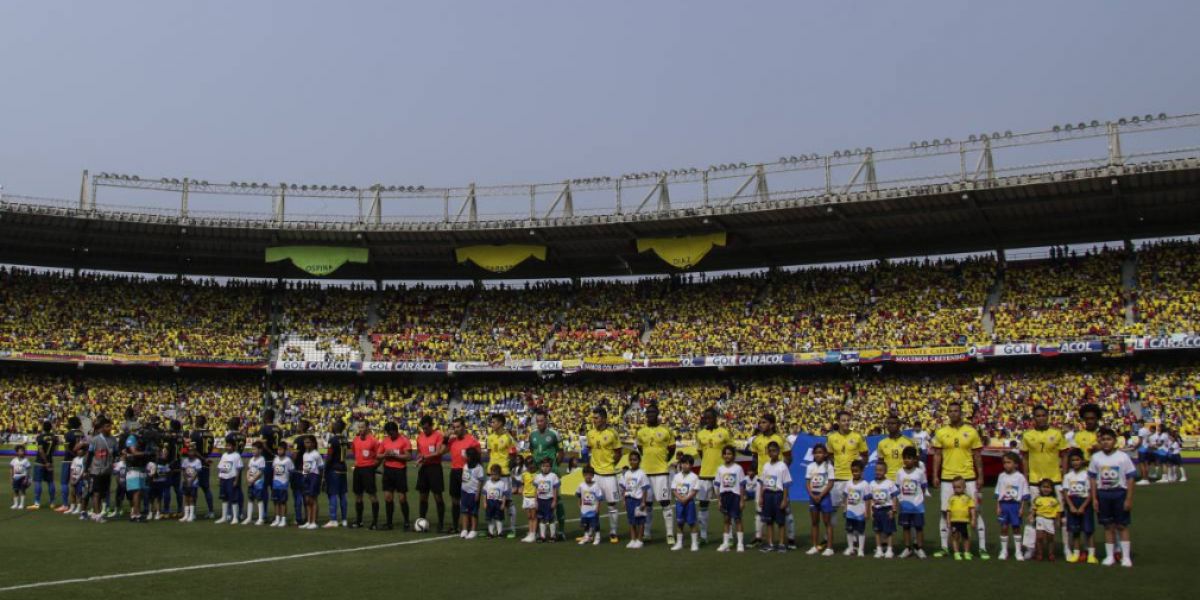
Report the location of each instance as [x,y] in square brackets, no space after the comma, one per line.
[238,563]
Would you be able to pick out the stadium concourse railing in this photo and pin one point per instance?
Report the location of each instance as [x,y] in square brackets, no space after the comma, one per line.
[1111,346]
[981,161]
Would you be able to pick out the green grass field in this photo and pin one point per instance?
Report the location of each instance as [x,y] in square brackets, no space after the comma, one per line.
[44,546]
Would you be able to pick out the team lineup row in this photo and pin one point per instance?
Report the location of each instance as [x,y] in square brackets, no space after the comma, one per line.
[1079,480]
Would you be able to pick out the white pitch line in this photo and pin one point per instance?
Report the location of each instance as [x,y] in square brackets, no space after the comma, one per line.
[255,561]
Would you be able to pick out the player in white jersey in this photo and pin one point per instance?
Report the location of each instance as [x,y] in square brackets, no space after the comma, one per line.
[913,486]
[497,494]
[774,479]
[883,510]
[1012,503]
[634,486]
[313,467]
[1077,506]
[590,495]
[819,477]
[256,485]
[229,468]
[281,475]
[1145,453]
[857,504]
[684,486]
[190,468]
[547,484]
[1176,458]
[20,466]
[731,487]
[1112,473]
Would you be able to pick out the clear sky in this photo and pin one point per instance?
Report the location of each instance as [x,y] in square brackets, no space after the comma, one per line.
[445,93]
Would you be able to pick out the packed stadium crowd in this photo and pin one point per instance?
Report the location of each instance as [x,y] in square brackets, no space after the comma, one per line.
[998,398]
[887,304]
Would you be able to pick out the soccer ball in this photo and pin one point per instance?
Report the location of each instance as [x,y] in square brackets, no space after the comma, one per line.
[420,525]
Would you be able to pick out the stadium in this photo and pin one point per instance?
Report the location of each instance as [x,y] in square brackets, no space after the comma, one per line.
[167,340]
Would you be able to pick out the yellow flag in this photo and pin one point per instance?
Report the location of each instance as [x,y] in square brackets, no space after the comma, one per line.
[499,259]
[682,252]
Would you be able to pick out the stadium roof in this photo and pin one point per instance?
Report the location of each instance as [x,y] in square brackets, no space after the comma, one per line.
[1114,197]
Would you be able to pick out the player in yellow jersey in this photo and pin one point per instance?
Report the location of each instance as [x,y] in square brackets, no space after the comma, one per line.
[604,448]
[1044,450]
[891,448]
[711,440]
[502,449]
[845,446]
[956,453]
[1086,439]
[759,445]
[656,443]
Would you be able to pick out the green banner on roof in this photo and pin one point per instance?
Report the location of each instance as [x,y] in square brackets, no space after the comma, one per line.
[317,260]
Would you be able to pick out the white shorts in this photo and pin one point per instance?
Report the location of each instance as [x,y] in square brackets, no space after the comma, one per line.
[528,503]
[608,487]
[1045,524]
[838,493]
[947,489]
[707,491]
[660,487]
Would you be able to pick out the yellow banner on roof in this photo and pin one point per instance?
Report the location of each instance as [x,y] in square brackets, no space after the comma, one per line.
[499,259]
[317,260]
[682,252]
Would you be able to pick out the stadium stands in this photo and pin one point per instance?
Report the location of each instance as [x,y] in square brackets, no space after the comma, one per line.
[881,305]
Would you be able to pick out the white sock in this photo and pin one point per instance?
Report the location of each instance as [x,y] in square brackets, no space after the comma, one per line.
[725,538]
[740,539]
[1029,540]
[758,529]
[1109,550]
[649,522]
[695,538]
[944,531]
[703,524]
[862,543]
[553,529]
[512,517]
[1066,541]
[225,510]
[612,519]
[679,538]
[1125,551]
[981,529]
[1004,540]
[668,520]
[542,529]
[234,510]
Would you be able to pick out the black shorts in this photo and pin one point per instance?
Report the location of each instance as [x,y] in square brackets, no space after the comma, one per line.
[364,481]
[395,480]
[101,484]
[456,483]
[431,479]
[961,529]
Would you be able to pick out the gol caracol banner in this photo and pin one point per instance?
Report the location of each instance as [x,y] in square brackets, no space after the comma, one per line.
[682,252]
[499,259]
[317,260]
